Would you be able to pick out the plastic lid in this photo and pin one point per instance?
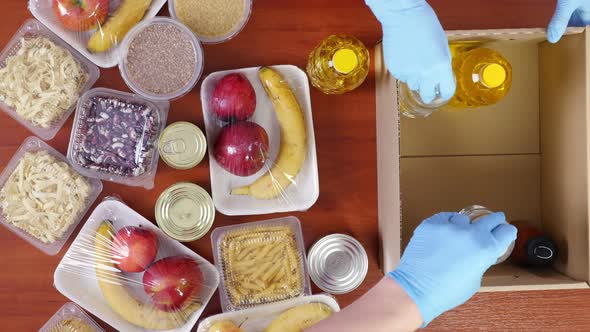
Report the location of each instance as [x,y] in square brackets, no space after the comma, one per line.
[345,60]
[541,251]
[185,211]
[182,145]
[493,75]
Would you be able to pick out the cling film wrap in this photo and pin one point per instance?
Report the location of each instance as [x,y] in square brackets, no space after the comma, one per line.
[94,28]
[261,140]
[127,272]
[260,263]
[70,318]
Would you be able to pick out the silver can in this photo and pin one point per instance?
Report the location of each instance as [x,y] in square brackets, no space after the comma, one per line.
[337,263]
[474,212]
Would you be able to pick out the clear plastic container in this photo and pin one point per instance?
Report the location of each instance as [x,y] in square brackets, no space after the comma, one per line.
[33,28]
[124,68]
[222,38]
[87,271]
[412,105]
[110,150]
[33,144]
[257,319]
[70,313]
[43,11]
[282,237]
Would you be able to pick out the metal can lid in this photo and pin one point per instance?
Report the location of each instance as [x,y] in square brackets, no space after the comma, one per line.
[337,263]
[185,211]
[182,145]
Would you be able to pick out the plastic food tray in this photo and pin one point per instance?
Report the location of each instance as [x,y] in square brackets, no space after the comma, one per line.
[146,179]
[32,144]
[299,196]
[43,11]
[219,235]
[33,28]
[69,310]
[257,319]
[84,289]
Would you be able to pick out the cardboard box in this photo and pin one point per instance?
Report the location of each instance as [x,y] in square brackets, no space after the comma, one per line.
[528,155]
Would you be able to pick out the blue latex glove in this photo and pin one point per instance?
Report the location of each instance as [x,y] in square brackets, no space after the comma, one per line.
[444,262]
[568,12]
[415,46]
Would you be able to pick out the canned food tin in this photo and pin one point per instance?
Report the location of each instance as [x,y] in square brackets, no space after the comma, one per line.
[185,211]
[337,263]
[182,145]
[474,212]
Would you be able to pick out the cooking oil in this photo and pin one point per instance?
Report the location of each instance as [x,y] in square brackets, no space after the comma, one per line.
[338,64]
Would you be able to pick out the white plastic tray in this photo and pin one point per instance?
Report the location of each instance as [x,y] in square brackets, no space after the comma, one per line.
[84,289]
[257,319]
[297,197]
[43,11]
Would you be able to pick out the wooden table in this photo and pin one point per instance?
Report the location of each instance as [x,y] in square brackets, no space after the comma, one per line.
[281,32]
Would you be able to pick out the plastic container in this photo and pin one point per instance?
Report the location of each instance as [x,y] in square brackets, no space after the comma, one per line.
[32,144]
[67,312]
[265,234]
[257,319]
[33,28]
[76,277]
[43,11]
[304,191]
[111,139]
[222,38]
[124,68]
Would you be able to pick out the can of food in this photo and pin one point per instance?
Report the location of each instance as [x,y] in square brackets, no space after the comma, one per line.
[182,145]
[337,263]
[185,211]
[474,213]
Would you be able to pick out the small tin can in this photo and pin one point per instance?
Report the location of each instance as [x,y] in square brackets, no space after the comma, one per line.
[182,145]
[185,211]
[474,212]
[337,263]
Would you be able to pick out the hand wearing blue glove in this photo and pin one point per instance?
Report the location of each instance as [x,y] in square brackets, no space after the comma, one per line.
[444,262]
[568,12]
[415,47]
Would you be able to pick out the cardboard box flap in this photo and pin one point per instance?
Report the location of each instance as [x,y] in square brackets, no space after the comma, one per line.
[505,34]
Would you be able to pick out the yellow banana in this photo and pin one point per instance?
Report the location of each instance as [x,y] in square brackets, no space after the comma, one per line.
[299,318]
[293,147]
[123,303]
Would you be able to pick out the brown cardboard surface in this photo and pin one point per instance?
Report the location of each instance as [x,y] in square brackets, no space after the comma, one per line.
[508,277]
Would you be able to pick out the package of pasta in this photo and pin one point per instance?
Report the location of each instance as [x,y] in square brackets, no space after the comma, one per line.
[70,318]
[262,153]
[42,197]
[41,79]
[95,28]
[127,272]
[261,262]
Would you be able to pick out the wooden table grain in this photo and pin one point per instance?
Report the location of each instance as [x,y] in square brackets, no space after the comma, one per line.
[284,32]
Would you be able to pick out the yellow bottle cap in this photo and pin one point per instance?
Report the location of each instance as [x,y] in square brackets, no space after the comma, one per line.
[493,75]
[345,60]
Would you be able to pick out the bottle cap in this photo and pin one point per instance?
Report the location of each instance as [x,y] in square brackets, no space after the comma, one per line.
[541,251]
[182,145]
[493,75]
[345,60]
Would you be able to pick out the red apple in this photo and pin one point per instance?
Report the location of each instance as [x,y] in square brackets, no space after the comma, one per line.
[171,281]
[81,15]
[241,148]
[234,98]
[134,248]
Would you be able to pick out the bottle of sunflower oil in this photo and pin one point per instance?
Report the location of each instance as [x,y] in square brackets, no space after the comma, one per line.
[338,64]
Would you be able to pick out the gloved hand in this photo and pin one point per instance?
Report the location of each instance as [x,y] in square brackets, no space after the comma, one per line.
[444,262]
[415,46]
[568,12]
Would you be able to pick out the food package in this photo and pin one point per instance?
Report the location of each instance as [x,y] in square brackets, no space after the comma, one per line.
[115,137]
[261,262]
[41,79]
[262,152]
[42,197]
[127,272]
[293,315]
[95,28]
[71,318]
